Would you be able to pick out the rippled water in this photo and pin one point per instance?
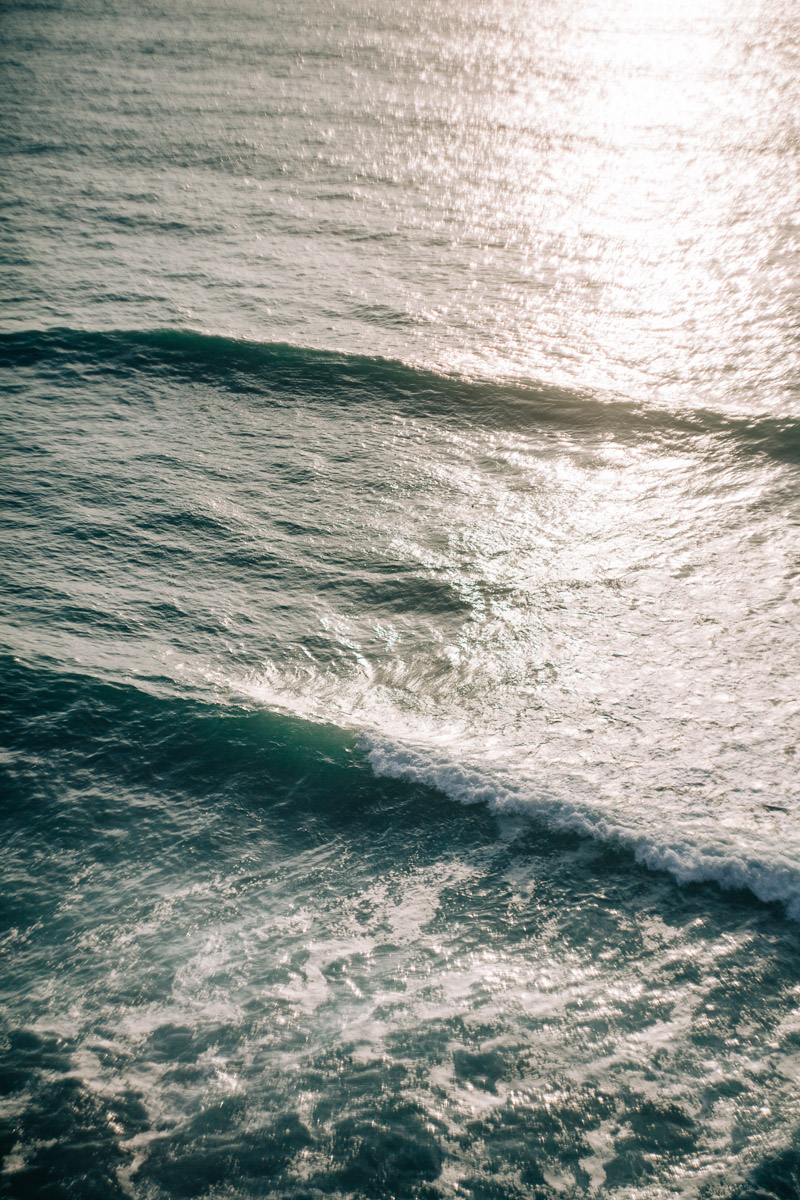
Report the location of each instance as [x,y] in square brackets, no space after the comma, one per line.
[399,596]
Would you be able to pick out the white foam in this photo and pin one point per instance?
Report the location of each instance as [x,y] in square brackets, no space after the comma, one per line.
[653,806]
[701,854]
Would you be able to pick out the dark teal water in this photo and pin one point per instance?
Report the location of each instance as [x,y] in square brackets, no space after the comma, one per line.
[238,962]
[398,601]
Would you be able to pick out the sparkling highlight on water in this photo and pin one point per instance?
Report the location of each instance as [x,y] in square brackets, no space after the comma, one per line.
[398,605]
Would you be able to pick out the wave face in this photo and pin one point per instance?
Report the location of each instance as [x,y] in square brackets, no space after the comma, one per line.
[279,371]
[400,426]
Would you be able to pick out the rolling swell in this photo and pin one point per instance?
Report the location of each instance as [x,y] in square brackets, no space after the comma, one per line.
[178,746]
[284,373]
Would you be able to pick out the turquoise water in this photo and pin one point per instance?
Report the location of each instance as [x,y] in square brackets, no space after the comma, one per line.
[401,489]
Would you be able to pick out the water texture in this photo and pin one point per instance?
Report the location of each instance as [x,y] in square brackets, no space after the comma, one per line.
[400,492]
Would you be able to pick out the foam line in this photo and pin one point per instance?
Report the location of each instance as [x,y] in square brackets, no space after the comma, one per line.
[776,880]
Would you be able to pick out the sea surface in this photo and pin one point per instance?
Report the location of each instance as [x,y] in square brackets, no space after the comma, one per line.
[399,630]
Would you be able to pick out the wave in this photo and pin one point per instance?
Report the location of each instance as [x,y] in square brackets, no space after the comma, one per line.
[54,723]
[282,372]
[54,726]
[774,880]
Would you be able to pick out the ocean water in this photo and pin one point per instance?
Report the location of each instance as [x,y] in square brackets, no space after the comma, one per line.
[400,423]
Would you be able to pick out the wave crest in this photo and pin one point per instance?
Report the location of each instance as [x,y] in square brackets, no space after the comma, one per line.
[284,372]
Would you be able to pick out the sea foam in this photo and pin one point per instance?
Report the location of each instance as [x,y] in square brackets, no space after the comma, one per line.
[764,870]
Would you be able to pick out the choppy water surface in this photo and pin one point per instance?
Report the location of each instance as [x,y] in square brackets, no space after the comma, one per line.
[399,601]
